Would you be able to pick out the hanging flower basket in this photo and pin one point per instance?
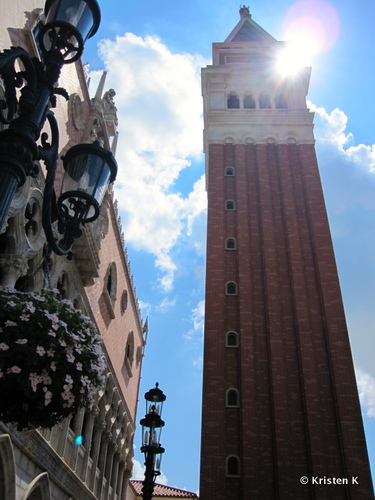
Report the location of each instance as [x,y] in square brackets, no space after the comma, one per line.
[50,359]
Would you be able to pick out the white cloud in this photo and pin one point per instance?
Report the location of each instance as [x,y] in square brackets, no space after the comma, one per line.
[138,470]
[197,318]
[366,389]
[332,126]
[139,473]
[159,105]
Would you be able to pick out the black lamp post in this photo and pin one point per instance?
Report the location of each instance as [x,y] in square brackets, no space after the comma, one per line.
[152,425]
[89,168]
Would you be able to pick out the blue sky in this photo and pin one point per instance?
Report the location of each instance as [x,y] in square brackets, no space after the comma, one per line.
[153,52]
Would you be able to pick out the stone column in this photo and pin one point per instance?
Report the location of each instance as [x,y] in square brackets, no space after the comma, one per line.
[115,471]
[99,427]
[106,438]
[112,448]
[88,438]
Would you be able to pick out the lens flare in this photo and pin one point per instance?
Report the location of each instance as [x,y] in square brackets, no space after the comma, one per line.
[312,27]
[78,440]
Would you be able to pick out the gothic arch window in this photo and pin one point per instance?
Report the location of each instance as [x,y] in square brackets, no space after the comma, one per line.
[249,102]
[129,353]
[231,339]
[110,287]
[230,244]
[229,171]
[39,488]
[231,288]
[62,285]
[233,466]
[280,101]
[264,101]
[124,301]
[233,101]
[230,205]
[232,398]
[33,219]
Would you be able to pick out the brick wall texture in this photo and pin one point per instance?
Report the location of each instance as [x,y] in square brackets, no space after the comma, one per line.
[298,412]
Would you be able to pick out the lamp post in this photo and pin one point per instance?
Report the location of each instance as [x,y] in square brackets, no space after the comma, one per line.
[152,425]
[89,168]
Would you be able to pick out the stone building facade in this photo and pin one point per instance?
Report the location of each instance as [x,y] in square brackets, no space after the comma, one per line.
[90,455]
[280,401]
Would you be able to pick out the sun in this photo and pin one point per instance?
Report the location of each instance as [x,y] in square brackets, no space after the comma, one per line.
[311,27]
[296,54]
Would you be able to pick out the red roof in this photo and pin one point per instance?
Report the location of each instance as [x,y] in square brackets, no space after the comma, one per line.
[163,491]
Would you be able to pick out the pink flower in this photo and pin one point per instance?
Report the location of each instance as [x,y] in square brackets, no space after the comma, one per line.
[25,317]
[14,369]
[30,307]
[52,316]
[21,341]
[70,358]
[69,379]
[79,366]
[53,366]
[4,347]
[50,353]
[47,396]
[10,323]
[53,334]
[35,380]
[62,343]
[40,350]
[39,298]
[11,303]
[79,349]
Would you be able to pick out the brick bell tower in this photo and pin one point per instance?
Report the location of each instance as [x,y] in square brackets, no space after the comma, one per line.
[280,402]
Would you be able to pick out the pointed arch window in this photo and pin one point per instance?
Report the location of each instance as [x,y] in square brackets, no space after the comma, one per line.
[229,171]
[110,288]
[231,288]
[231,339]
[230,205]
[233,466]
[264,101]
[233,101]
[129,353]
[280,101]
[249,102]
[230,244]
[232,398]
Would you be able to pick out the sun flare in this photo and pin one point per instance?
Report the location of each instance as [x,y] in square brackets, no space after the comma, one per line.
[311,27]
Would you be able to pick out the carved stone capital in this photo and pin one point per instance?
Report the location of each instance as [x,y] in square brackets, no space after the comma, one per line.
[12,267]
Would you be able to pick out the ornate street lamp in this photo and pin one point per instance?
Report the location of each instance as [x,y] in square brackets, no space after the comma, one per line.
[89,168]
[152,425]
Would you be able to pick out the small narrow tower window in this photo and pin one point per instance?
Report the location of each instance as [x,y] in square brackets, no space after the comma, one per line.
[230,244]
[233,466]
[230,205]
[264,101]
[232,339]
[231,288]
[229,171]
[249,102]
[233,101]
[232,398]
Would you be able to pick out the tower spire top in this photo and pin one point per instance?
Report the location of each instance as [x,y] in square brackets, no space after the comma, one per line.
[245,11]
